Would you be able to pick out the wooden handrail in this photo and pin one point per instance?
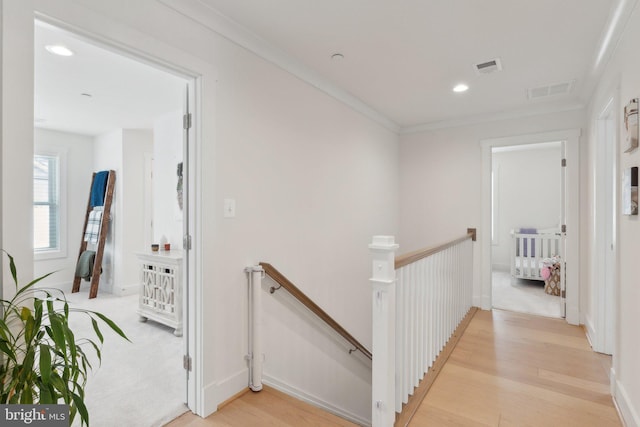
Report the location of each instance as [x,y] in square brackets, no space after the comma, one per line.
[414,256]
[307,302]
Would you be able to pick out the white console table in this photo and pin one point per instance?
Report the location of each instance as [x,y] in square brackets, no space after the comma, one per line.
[161,288]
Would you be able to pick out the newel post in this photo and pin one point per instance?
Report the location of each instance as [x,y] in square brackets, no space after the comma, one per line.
[383,283]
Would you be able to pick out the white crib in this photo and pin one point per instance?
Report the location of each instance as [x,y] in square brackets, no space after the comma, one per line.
[529,247]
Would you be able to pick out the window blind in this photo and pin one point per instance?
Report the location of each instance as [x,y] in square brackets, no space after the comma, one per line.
[46,200]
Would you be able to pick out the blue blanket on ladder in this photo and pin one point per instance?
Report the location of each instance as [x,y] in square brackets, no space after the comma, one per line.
[99,188]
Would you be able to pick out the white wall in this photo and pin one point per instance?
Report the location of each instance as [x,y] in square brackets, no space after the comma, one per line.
[621,81]
[167,153]
[313,181]
[528,194]
[441,179]
[17,141]
[135,143]
[79,169]
[107,155]
[123,151]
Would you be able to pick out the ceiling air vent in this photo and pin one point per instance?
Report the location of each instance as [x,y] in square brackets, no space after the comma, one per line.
[488,67]
[550,90]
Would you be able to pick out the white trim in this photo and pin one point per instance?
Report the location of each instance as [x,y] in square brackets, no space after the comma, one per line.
[572,137]
[495,205]
[491,117]
[590,331]
[314,400]
[603,254]
[129,47]
[63,237]
[216,393]
[628,413]
[612,33]
[213,20]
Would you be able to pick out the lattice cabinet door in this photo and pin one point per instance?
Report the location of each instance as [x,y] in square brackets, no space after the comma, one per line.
[161,288]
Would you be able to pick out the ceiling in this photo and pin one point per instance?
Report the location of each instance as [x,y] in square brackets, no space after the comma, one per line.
[402,58]
[118,91]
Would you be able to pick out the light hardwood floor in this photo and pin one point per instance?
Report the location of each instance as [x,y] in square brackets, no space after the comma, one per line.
[269,408]
[508,369]
[512,369]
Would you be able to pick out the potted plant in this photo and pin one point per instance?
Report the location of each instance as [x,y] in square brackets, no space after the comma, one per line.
[41,359]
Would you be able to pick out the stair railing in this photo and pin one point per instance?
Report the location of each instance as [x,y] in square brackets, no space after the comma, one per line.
[419,301]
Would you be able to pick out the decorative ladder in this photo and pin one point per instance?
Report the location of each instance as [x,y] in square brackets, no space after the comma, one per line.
[104,228]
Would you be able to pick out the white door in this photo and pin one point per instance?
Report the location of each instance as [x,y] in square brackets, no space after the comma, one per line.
[563,240]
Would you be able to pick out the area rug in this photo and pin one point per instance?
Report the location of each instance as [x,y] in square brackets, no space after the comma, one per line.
[139,383]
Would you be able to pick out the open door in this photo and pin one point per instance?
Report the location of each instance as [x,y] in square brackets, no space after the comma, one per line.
[563,231]
[188,211]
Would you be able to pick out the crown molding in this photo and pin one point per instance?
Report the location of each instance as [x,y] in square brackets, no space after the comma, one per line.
[203,14]
[491,117]
[607,44]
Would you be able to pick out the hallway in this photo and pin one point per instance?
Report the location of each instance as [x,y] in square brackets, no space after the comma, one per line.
[508,369]
[512,369]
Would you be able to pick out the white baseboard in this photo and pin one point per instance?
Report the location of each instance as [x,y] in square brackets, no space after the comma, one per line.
[591,332]
[313,400]
[627,412]
[485,304]
[572,315]
[216,393]
[476,301]
[501,267]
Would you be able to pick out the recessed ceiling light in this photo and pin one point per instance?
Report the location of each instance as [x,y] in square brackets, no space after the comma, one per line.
[461,88]
[58,49]
[337,56]
[87,95]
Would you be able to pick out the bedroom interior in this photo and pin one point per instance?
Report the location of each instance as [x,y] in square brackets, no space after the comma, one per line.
[526,235]
[90,118]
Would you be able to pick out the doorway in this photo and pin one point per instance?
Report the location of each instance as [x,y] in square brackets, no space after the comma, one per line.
[109,111]
[526,238]
[570,208]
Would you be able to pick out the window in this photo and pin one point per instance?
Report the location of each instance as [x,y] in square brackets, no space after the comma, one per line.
[46,203]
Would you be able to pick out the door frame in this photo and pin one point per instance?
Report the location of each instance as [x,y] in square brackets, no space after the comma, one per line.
[193,317]
[572,212]
[601,325]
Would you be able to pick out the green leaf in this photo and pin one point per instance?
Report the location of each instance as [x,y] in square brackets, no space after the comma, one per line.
[45,364]
[7,350]
[71,342]
[25,313]
[12,267]
[96,328]
[82,409]
[111,324]
[47,395]
[57,333]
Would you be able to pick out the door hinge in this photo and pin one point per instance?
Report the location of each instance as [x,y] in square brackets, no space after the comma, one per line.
[563,228]
[186,362]
[186,121]
[564,295]
[564,163]
[186,242]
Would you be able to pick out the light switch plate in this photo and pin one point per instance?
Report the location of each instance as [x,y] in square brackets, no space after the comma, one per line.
[229,208]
